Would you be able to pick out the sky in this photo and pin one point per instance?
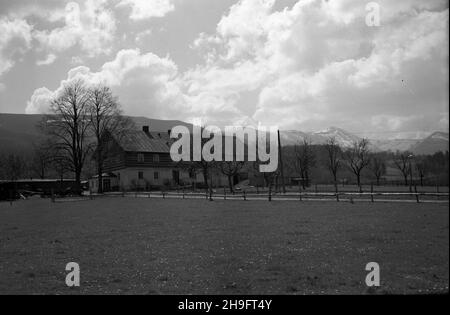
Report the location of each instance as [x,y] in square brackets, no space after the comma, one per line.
[305,65]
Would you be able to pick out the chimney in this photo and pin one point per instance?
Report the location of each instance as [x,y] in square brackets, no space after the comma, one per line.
[146,129]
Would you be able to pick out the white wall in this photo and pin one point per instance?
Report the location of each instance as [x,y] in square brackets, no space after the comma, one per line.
[127,175]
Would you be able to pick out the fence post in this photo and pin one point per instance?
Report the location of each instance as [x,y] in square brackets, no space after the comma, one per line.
[417,195]
[245,197]
[337,193]
[371,192]
[270,192]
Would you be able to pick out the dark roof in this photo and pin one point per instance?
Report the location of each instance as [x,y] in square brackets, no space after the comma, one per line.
[139,141]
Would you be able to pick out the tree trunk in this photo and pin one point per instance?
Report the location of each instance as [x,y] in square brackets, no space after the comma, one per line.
[78,182]
[307,178]
[205,177]
[230,184]
[100,182]
[303,180]
[99,172]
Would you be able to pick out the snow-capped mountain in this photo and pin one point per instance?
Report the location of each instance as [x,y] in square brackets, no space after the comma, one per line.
[438,141]
[344,138]
[293,137]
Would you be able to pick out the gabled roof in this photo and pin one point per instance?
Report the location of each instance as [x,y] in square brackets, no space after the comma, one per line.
[140,141]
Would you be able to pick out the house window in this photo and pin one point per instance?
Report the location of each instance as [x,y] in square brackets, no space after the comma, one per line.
[156,175]
[140,158]
[141,175]
[155,158]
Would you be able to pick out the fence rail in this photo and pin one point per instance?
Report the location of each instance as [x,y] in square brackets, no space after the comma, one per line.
[418,197]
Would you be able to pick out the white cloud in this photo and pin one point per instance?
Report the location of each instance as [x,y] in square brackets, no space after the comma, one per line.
[145,9]
[91,25]
[144,83]
[49,59]
[15,40]
[309,66]
[40,101]
[318,63]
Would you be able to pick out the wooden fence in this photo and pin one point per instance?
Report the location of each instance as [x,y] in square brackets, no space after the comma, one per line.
[268,195]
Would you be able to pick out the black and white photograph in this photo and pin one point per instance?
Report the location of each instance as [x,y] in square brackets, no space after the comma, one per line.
[224,152]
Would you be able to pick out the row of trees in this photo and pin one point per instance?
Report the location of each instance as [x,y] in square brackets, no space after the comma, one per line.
[358,159]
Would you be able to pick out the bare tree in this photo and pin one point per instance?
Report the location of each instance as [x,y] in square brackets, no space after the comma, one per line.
[14,167]
[270,178]
[231,169]
[68,125]
[41,160]
[196,167]
[358,158]
[206,168]
[422,169]
[305,160]
[60,162]
[378,167]
[402,162]
[106,119]
[334,154]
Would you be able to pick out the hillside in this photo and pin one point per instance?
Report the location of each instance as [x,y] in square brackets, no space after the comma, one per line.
[438,141]
[18,132]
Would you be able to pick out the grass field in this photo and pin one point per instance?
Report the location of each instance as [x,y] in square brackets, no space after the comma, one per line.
[156,246]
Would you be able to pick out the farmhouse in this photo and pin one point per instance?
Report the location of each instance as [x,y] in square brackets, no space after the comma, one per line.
[140,160]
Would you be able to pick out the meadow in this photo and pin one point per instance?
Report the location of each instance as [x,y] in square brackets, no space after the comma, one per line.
[171,246]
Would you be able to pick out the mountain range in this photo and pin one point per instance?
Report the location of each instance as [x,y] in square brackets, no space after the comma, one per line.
[437,141]
[18,132]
